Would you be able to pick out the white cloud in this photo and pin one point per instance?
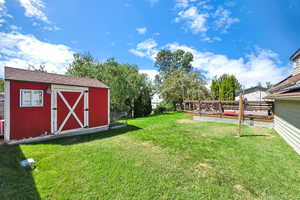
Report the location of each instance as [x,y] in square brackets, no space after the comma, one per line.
[34,8]
[211,39]
[260,66]
[14,27]
[183,3]
[3,12]
[223,19]
[51,28]
[202,18]
[142,30]
[19,50]
[146,48]
[151,73]
[195,20]
[230,3]
[153,2]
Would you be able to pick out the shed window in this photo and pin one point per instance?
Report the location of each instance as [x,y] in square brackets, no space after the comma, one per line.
[31,98]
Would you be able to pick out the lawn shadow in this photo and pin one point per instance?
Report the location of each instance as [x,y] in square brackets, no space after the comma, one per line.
[70,140]
[16,182]
[255,135]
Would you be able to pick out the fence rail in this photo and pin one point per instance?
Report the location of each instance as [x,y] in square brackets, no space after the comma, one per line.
[254,110]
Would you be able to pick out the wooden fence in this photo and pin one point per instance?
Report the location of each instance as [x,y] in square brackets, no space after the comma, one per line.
[253,110]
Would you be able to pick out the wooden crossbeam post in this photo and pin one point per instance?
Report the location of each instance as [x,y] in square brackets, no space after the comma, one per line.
[241,114]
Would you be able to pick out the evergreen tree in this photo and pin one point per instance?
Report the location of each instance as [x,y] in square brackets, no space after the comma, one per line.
[224,87]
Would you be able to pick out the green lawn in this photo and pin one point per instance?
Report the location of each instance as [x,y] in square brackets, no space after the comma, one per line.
[158,157]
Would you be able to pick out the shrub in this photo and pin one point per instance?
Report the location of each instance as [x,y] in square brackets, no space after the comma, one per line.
[159,109]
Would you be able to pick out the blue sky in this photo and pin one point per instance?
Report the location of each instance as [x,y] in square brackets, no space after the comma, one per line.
[251,39]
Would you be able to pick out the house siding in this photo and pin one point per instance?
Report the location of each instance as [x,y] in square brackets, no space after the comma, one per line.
[254,96]
[296,68]
[287,122]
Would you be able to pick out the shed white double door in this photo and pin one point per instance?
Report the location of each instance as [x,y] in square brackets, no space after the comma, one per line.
[69,108]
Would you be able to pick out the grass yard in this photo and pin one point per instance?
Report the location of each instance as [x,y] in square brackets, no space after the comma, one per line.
[158,157]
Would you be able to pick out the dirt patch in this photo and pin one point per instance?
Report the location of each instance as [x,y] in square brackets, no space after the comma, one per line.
[270,136]
[138,164]
[240,188]
[147,144]
[187,121]
[202,169]
[205,165]
[153,147]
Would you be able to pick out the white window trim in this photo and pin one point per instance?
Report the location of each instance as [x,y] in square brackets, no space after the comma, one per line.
[31,105]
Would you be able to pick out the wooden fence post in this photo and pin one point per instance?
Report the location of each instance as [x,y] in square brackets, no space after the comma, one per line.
[241,114]
[199,111]
[220,109]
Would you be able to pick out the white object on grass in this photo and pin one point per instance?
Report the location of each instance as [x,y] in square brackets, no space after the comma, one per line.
[27,162]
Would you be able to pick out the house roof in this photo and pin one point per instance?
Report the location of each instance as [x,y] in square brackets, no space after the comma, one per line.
[289,81]
[288,87]
[44,77]
[295,55]
[286,92]
[283,94]
[250,90]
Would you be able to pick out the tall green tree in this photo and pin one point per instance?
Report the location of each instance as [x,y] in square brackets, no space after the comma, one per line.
[177,80]
[128,86]
[224,87]
[167,60]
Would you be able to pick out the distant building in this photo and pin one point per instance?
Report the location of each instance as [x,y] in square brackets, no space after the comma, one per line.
[256,93]
[155,100]
[286,95]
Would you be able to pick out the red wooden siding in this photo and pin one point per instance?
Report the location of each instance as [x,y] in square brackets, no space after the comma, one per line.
[28,121]
[98,107]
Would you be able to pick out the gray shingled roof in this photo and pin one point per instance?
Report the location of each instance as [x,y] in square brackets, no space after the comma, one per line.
[43,77]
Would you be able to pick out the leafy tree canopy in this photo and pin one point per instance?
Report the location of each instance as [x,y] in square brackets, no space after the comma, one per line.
[130,91]
[167,60]
[177,79]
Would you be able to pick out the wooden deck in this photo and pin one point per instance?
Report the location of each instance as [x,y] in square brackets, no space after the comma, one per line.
[246,117]
[262,111]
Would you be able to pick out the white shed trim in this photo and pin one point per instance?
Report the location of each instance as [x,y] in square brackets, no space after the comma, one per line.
[7,111]
[56,90]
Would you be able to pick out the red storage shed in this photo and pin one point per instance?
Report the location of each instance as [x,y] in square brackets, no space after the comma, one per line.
[41,105]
